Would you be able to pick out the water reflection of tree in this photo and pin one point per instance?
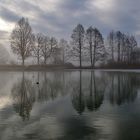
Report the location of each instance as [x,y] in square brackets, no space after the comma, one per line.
[96,96]
[50,88]
[56,85]
[78,100]
[43,86]
[122,89]
[92,98]
[24,97]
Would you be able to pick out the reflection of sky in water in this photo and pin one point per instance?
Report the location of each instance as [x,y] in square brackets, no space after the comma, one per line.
[69,106]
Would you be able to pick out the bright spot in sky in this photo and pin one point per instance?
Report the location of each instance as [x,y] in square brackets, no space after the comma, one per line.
[5,26]
[103,4]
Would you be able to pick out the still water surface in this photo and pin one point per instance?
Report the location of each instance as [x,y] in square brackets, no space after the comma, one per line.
[70,105]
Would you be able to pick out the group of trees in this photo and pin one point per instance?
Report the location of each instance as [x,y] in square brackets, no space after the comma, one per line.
[24,43]
[43,47]
[121,45]
[85,45]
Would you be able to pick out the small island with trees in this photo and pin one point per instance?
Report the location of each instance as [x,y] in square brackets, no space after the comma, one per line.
[86,49]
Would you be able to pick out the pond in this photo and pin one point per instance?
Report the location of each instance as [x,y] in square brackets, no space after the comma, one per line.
[70,105]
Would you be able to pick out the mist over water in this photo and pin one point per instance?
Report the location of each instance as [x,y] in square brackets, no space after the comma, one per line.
[69,105]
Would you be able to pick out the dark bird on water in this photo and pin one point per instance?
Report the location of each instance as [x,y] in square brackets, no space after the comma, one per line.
[37,83]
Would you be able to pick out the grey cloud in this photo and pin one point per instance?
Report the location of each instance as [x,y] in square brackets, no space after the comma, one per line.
[8,15]
[123,16]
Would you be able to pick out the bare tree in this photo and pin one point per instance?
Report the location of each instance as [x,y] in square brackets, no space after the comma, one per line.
[133,44]
[57,57]
[119,39]
[124,42]
[95,45]
[22,39]
[54,48]
[111,41]
[90,42]
[49,44]
[125,48]
[128,43]
[78,42]
[123,45]
[63,44]
[39,38]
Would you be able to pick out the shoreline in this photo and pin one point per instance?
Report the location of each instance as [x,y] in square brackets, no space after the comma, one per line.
[60,67]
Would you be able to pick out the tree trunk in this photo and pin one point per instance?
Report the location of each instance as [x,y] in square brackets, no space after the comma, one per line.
[80,61]
[119,52]
[80,55]
[22,61]
[93,63]
[38,60]
[38,56]
[91,53]
[112,53]
[45,61]
[45,55]
[63,58]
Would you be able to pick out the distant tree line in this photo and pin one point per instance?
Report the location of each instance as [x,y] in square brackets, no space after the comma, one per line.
[86,46]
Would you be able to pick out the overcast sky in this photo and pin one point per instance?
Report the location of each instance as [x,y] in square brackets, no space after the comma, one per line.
[59,17]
